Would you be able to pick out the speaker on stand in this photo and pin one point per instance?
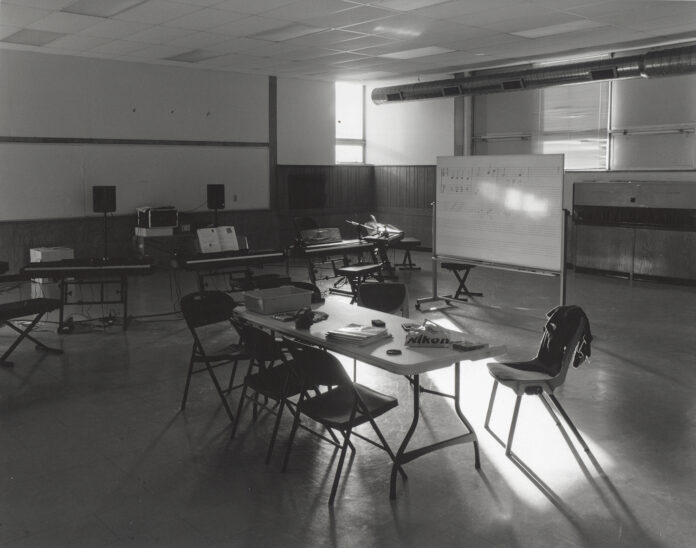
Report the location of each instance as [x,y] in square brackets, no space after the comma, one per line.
[216,200]
[104,201]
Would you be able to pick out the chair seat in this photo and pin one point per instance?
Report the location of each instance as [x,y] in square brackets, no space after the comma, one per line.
[271,382]
[227,353]
[405,243]
[520,376]
[358,269]
[333,408]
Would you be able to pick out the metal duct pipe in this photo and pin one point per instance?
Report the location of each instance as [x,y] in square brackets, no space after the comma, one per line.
[654,64]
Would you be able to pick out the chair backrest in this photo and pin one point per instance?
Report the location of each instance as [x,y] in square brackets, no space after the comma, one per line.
[260,344]
[565,341]
[206,308]
[316,366]
[385,297]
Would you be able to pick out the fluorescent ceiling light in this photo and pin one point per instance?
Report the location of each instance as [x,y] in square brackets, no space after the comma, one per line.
[195,55]
[561,28]
[415,53]
[101,8]
[286,33]
[28,37]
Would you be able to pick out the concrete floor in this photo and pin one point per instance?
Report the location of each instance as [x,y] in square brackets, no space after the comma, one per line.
[95,451]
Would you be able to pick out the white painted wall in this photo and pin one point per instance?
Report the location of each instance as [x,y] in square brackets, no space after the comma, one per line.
[71,97]
[306,122]
[411,133]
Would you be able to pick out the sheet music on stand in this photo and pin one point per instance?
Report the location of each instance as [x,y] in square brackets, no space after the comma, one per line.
[216,239]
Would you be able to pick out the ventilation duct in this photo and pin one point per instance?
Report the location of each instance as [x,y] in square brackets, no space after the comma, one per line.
[654,64]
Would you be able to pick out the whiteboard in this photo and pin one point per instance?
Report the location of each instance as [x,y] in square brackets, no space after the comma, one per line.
[48,181]
[502,210]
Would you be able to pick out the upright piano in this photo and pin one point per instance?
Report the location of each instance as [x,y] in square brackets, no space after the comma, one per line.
[95,271]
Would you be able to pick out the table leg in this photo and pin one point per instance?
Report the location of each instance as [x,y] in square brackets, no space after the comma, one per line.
[415,385]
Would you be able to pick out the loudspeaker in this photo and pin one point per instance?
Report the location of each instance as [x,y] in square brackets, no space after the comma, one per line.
[103,199]
[216,196]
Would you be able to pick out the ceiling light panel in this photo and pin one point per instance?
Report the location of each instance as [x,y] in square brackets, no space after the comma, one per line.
[236,45]
[28,37]
[101,8]
[408,5]
[326,38]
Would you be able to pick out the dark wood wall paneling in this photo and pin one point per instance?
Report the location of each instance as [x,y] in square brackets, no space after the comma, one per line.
[404,195]
[400,195]
[349,194]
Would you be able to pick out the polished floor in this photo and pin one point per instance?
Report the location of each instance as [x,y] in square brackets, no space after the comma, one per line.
[94,451]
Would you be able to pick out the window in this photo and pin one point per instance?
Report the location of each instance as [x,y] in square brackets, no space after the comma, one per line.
[574,122]
[350,123]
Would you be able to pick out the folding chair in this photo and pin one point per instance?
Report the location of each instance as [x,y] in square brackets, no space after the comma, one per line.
[343,407]
[385,297]
[566,341]
[277,382]
[207,309]
[18,309]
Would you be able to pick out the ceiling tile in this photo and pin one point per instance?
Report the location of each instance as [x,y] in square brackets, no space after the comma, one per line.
[20,16]
[288,32]
[234,45]
[159,35]
[50,5]
[6,30]
[111,28]
[301,10]
[77,42]
[407,5]
[30,37]
[118,47]
[252,7]
[158,51]
[361,42]
[325,38]
[352,16]
[205,19]
[64,22]
[156,12]
[199,40]
[249,26]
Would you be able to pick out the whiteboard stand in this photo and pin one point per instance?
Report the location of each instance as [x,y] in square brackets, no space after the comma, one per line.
[435,297]
[504,212]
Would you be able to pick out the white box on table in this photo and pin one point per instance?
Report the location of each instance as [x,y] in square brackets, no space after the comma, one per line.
[48,287]
[277,299]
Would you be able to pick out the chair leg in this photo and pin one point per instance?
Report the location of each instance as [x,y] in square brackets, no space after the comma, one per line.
[232,376]
[239,409]
[275,430]
[188,383]
[513,424]
[293,431]
[218,388]
[569,422]
[339,467]
[388,449]
[494,390]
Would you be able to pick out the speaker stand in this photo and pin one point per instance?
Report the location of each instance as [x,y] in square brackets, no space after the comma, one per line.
[106,239]
[215,218]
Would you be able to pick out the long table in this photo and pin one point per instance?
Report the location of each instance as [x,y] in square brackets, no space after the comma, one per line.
[412,362]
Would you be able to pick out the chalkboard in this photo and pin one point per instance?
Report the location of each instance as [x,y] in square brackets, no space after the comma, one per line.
[501,210]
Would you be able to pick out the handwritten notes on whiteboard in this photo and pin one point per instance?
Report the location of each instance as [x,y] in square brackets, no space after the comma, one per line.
[504,210]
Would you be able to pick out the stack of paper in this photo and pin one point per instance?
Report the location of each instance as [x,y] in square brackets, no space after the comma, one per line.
[358,334]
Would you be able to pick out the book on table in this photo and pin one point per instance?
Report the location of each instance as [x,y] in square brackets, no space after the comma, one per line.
[358,334]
